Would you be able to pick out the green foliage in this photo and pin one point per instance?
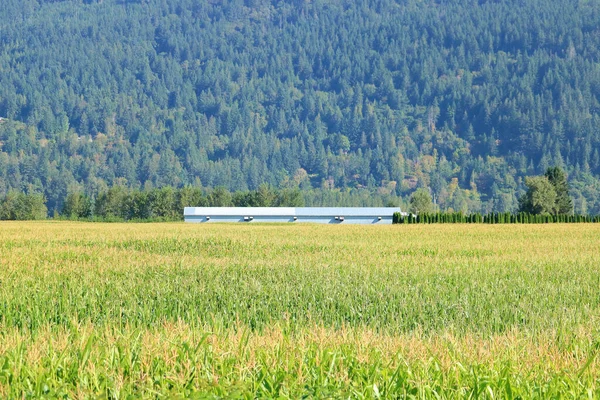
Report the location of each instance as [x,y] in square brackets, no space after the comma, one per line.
[540,197]
[77,205]
[301,94]
[164,203]
[420,202]
[112,203]
[18,206]
[220,197]
[263,197]
[289,198]
[492,218]
[167,203]
[547,194]
[557,177]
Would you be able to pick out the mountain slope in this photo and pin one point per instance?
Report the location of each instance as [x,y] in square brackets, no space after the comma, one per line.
[464,97]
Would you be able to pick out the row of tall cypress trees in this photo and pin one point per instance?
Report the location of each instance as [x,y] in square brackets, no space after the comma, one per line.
[493,218]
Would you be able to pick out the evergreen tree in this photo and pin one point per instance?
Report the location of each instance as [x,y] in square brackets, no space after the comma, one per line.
[557,177]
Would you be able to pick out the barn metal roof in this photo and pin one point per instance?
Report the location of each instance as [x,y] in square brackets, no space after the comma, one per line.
[292,211]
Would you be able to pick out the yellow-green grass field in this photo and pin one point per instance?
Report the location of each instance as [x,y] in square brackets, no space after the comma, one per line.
[91,310]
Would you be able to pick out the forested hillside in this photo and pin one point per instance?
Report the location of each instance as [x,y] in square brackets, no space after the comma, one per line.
[381,96]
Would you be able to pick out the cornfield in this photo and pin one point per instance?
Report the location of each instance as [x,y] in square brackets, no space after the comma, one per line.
[252,311]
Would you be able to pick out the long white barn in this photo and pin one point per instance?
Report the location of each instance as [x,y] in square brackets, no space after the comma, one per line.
[320,215]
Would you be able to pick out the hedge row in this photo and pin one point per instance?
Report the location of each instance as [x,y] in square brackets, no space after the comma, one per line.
[492,218]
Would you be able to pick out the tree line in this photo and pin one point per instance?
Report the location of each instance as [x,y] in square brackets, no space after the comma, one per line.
[547,199]
[18,206]
[492,218]
[120,203]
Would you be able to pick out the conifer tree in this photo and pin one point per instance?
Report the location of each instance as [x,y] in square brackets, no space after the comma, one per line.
[557,177]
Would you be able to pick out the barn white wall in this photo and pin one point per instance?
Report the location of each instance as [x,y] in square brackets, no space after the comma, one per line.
[321,215]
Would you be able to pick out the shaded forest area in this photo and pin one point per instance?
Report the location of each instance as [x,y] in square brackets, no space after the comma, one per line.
[367,99]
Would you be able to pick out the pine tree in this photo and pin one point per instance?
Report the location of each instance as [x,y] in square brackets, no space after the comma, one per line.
[558,179]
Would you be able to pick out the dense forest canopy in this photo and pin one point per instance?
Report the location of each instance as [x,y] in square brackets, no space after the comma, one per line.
[462,97]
